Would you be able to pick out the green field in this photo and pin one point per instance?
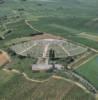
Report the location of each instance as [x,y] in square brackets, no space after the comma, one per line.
[68,27]
[19,29]
[25,65]
[90,71]
[66,18]
[86,42]
[72,25]
[2,31]
[53,89]
[64,8]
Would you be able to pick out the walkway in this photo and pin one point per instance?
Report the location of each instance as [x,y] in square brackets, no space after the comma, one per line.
[27,49]
[26,21]
[66,51]
[45,50]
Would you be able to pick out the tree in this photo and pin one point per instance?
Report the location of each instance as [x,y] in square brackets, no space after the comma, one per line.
[52,54]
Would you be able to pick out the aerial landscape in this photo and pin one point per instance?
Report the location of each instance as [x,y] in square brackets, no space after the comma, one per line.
[48,49]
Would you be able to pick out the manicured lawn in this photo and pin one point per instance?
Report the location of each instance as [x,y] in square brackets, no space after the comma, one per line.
[90,71]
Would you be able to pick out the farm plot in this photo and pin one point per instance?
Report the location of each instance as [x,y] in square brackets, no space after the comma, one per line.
[18,40]
[67,26]
[53,25]
[18,29]
[76,91]
[86,42]
[90,71]
[70,30]
[2,32]
[88,36]
[17,87]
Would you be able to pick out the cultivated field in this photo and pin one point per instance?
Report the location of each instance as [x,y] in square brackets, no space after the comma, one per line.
[88,36]
[65,19]
[53,89]
[90,71]
[67,28]
[19,29]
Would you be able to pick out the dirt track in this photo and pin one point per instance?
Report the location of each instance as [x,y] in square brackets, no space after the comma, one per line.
[42,81]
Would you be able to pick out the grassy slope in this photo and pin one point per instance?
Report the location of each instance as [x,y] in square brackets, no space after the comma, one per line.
[68,28]
[71,24]
[18,30]
[86,42]
[25,65]
[83,9]
[68,17]
[90,71]
[16,87]
[54,8]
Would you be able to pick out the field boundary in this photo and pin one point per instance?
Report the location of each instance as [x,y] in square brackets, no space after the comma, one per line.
[32,27]
[92,57]
[42,81]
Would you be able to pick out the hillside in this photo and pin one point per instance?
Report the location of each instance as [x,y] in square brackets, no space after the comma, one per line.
[60,38]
